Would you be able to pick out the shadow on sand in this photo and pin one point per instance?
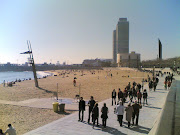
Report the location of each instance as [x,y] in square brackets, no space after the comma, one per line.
[47,91]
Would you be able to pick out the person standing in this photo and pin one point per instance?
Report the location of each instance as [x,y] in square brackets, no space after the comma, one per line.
[120,95]
[91,105]
[142,84]
[74,82]
[4,83]
[120,112]
[150,85]
[169,84]
[145,95]
[10,130]
[136,108]
[95,113]
[139,96]
[81,109]
[114,97]
[129,111]
[154,85]
[1,132]
[104,115]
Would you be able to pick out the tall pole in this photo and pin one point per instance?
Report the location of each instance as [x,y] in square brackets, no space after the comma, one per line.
[79,90]
[57,91]
[33,65]
[31,62]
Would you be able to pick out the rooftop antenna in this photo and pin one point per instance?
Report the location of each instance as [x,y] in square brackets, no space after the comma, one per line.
[31,62]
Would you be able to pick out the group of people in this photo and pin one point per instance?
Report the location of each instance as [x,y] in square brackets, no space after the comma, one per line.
[133,92]
[10,130]
[153,83]
[168,81]
[93,111]
[132,112]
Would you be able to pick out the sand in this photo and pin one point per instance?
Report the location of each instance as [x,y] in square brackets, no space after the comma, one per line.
[100,85]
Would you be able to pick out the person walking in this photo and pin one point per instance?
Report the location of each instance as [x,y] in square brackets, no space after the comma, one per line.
[169,84]
[130,93]
[120,112]
[154,85]
[136,108]
[1,132]
[104,115]
[120,95]
[139,96]
[10,130]
[114,97]
[95,113]
[4,83]
[81,109]
[142,86]
[74,82]
[145,95]
[150,85]
[129,111]
[91,105]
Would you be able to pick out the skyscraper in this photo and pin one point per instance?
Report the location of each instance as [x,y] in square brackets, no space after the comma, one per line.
[121,38]
[160,50]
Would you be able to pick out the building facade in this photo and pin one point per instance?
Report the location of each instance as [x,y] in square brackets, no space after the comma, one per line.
[121,38]
[131,60]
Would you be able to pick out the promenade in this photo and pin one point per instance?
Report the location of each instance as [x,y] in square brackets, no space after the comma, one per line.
[149,115]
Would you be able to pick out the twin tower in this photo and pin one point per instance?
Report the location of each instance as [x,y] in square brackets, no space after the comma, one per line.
[121,38]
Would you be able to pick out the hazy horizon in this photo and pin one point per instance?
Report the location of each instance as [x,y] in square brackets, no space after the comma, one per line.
[71,31]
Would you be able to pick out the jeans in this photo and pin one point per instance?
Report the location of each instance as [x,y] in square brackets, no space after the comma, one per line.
[94,120]
[114,100]
[104,122]
[145,99]
[80,114]
[90,110]
[120,119]
[137,117]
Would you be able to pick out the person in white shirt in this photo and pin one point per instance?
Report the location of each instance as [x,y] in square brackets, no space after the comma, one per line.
[120,112]
[10,131]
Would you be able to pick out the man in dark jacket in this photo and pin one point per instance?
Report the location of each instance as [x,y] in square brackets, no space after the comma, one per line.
[136,108]
[81,109]
[113,96]
[120,95]
[91,105]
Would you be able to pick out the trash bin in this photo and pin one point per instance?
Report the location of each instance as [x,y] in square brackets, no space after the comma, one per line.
[55,106]
[61,107]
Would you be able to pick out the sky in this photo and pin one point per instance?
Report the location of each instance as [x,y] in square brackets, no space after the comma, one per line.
[74,30]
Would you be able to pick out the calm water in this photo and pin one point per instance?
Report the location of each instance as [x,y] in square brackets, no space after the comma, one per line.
[12,76]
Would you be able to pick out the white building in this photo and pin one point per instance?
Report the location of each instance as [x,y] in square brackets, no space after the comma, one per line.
[128,60]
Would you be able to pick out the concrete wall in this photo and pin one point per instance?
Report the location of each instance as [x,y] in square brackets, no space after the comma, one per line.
[169,121]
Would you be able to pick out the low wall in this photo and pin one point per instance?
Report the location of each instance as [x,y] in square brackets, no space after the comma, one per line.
[165,123]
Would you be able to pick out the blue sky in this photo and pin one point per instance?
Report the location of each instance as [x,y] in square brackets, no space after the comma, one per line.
[74,30]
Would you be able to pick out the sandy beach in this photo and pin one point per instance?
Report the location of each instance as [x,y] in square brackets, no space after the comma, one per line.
[97,83]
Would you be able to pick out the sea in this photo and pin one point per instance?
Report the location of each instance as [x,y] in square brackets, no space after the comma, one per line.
[12,76]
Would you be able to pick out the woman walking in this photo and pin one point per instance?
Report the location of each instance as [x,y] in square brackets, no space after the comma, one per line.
[129,111]
[104,115]
[95,113]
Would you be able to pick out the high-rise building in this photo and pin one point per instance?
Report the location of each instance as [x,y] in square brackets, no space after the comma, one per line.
[121,38]
[114,47]
[160,50]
